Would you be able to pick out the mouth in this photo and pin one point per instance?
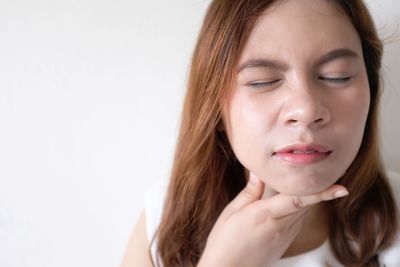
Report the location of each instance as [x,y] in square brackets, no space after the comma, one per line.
[302,153]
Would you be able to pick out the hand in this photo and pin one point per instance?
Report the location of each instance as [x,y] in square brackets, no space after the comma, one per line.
[255,232]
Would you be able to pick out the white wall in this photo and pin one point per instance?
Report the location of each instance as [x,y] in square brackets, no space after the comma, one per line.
[90,96]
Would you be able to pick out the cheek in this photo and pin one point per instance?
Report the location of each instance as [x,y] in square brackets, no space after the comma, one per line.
[250,119]
[352,117]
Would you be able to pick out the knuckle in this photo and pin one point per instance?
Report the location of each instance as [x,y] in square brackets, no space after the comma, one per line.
[248,193]
[298,202]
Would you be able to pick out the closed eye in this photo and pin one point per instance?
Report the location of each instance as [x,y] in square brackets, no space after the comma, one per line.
[262,84]
[335,80]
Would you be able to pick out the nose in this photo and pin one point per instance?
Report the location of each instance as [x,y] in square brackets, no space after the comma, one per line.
[305,108]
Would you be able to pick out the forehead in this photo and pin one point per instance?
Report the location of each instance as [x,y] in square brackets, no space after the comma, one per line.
[301,28]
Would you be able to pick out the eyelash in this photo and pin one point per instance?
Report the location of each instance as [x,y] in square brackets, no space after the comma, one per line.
[335,80]
[330,80]
[263,84]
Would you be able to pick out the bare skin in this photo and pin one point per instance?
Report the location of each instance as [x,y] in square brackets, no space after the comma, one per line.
[273,223]
[316,224]
[314,231]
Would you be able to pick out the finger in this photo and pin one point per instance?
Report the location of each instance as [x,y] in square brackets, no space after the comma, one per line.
[282,205]
[253,191]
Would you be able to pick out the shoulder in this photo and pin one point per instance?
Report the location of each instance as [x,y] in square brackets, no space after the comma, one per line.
[391,256]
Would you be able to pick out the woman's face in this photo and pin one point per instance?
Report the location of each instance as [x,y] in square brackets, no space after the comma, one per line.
[297,111]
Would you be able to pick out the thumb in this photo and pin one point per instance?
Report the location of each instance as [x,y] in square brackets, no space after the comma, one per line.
[253,191]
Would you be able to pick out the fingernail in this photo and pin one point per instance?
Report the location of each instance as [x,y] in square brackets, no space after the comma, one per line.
[341,193]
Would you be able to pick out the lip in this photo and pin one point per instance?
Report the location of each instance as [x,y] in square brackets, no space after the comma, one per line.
[319,153]
[304,147]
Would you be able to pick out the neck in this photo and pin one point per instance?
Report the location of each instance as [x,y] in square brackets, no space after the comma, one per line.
[315,228]
[313,233]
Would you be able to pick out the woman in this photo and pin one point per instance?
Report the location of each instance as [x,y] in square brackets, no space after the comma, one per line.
[277,162]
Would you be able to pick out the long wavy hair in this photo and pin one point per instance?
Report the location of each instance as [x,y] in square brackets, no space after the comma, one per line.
[206,175]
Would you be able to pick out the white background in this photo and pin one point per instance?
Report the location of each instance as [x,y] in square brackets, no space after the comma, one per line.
[90,99]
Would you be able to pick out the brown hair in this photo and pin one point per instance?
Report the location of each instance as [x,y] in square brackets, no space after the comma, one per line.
[206,175]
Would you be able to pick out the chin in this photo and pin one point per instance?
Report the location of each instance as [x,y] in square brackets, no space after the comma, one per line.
[302,183]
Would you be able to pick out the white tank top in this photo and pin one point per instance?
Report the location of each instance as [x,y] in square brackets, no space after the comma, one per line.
[319,257]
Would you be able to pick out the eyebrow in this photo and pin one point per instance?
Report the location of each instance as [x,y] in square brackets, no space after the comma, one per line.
[263,63]
[268,63]
[336,54]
